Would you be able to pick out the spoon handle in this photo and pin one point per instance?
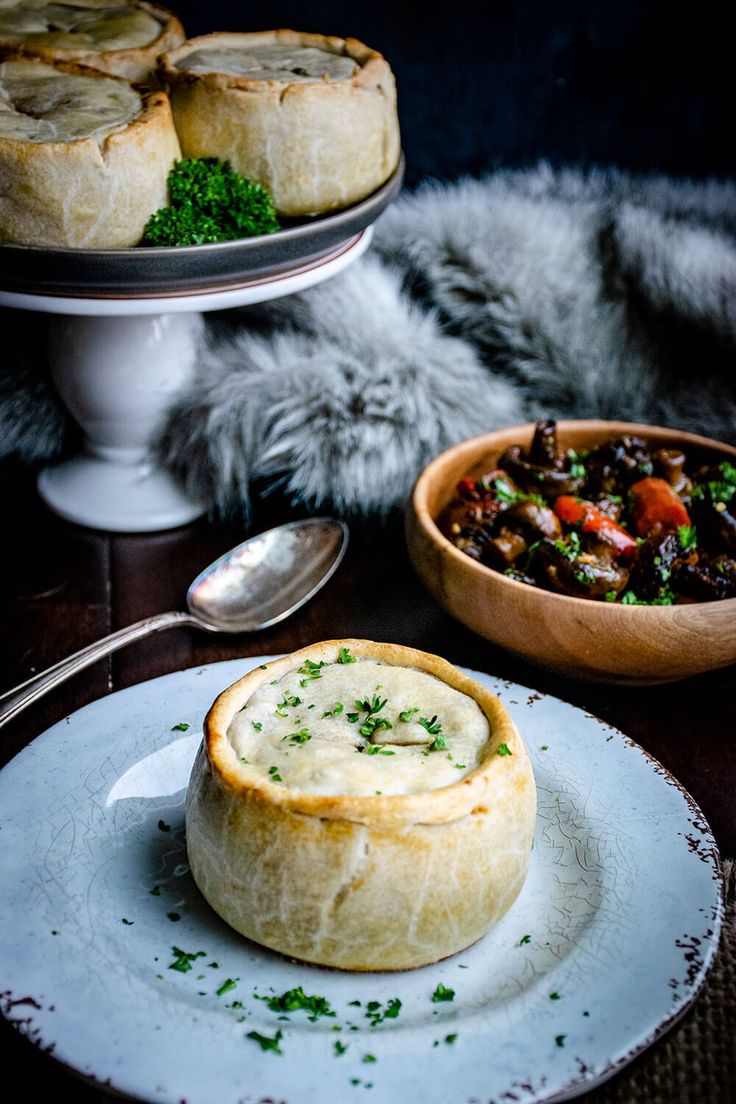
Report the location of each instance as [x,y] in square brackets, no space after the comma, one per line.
[13,701]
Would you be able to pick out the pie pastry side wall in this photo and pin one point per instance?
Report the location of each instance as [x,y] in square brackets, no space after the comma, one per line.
[88,194]
[316,146]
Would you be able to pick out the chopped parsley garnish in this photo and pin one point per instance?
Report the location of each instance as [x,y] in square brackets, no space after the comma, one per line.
[369,1059]
[335,711]
[263,667]
[443,993]
[352,717]
[182,726]
[275,776]
[433,727]
[163,826]
[290,701]
[227,986]
[345,656]
[372,705]
[560,1040]
[311,670]
[280,713]
[296,1000]
[375,749]
[377,1015]
[156,891]
[585,577]
[299,737]
[374,724]
[524,940]
[577,471]
[439,743]
[569,548]
[174,916]
[460,766]
[340,1048]
[257,725]
[407,714]
[504,749]
[184,959]
[665,598]
[266,1043]
[451,1038]
[509,497]
[128,922]
[554,996]
[688,537]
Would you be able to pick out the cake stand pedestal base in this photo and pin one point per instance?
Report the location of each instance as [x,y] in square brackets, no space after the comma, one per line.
[118,362]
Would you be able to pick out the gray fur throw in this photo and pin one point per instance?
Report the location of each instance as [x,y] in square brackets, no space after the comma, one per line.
[482,303]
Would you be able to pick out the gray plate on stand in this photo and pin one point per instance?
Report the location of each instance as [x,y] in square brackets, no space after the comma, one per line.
[144,272]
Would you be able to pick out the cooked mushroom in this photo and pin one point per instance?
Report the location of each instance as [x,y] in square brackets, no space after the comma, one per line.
[669,464]
[711,510]
[706,581]
[582,575]
[536,477]
[653,567]
[504,549]
[613,466]
[533,520]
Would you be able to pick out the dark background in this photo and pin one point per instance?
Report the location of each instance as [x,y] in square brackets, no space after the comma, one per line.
[647,86]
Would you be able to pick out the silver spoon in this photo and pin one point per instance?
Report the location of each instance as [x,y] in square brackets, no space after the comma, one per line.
[260,582]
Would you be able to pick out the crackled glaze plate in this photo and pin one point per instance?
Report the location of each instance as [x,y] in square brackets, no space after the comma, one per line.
[113,962]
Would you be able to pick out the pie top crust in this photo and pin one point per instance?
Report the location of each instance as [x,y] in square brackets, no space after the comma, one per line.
[327,774]
[40,102]
[124,39]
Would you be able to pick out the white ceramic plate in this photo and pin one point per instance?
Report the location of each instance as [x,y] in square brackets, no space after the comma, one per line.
[605,948]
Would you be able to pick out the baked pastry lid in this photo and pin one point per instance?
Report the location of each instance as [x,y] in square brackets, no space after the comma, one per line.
[151,271]
[428,807]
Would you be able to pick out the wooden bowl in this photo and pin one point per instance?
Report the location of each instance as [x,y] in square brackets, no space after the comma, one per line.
[577,637]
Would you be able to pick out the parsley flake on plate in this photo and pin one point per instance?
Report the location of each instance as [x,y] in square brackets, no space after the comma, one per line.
[184,959]
[266,1043]
[296,1000]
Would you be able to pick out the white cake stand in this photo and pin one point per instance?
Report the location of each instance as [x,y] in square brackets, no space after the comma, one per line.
[117,363]
[124,333]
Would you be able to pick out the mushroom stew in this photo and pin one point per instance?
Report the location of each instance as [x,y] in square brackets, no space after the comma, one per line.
[619,522]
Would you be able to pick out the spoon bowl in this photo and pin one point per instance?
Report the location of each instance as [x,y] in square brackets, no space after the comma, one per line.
[261,581]
[268,577]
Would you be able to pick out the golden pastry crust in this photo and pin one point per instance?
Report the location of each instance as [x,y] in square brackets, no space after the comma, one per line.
[317,145]
[88,193]
[135,63]
[356,882]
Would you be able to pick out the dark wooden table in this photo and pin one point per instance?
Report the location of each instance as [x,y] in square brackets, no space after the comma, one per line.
[66,586]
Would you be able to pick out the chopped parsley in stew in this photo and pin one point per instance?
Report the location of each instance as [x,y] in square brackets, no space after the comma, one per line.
[621,522]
